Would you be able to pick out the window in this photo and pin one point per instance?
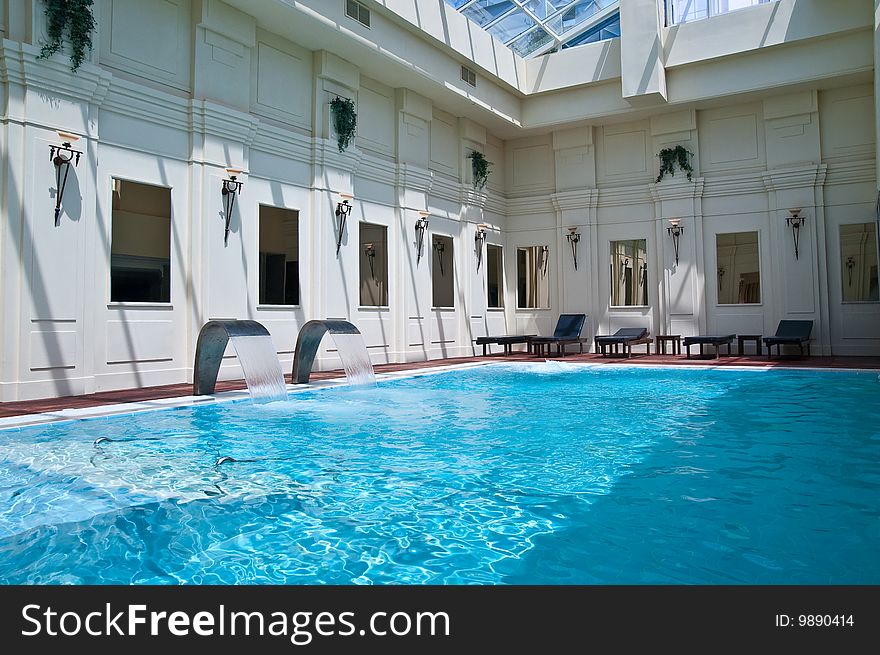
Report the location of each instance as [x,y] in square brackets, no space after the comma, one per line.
[858,258]
[468,76]
[357,11]
[532,281]
[685,11]
[442,272]
[373,240]
[739,268]
[494,277]
[629,273]
[140,243]
[279,256]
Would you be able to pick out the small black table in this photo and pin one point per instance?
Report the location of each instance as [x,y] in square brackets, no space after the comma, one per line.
[741,338]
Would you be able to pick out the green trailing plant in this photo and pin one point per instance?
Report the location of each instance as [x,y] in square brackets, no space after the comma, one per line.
[73,17]
[672,157]
[344,121]
[480,166]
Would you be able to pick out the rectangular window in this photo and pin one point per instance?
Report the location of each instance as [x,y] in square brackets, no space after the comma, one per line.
[739,268]
[494,277]
[279,256]
[532,279]
[629,273]
[468,76]
[140,243]
[373,241]
[858,257]
[357,11]
[443,272]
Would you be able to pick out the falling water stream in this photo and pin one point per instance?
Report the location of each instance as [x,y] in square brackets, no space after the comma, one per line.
[355,358]
[262,370]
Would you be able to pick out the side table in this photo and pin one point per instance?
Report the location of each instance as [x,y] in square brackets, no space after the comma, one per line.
[673,339]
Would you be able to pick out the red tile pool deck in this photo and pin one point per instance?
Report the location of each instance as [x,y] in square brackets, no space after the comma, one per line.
[20,408]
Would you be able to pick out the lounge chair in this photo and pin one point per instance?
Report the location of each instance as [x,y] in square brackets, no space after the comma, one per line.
[626,337]
[568,330]
[793,333]
[506,341]
[709,340]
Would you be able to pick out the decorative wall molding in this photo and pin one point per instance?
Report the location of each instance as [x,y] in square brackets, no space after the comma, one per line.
[625,195]
[209,118]
[581,199]
[733,184]
[851,172]
[675,190]
[19,64]
[794,178]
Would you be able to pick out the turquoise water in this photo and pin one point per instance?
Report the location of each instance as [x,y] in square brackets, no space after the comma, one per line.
[536,474]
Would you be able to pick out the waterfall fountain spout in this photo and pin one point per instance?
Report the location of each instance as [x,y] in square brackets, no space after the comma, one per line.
[349,345]
[256,355]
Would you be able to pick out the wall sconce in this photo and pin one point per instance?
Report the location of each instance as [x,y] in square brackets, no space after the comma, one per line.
[850,265]
[573,238]
[421,226]
[545,259]
[343,209]
[231,187]
[370,252]
[674,230]
[794,221]
[479,240]
[61,156]
[439,247]
[721,273]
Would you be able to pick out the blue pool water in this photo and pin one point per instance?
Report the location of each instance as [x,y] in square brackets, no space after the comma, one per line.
[544,473]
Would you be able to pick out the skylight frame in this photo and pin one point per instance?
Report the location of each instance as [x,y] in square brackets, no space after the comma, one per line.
[542,24]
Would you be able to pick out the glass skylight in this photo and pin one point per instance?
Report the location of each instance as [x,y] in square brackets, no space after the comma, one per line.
[533,27]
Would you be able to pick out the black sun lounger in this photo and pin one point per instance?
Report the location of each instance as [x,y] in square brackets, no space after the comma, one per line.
[626,337]
[507,341]
[792,333]
[709,340]
[568,330]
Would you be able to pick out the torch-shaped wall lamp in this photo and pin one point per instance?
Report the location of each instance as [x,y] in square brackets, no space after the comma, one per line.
[62,156]
[370,252]
[440,248]
[674,230]
[573,238]
[421,226]
[231,188]
[479,240]
[794,221]
[850,265]
[343,209]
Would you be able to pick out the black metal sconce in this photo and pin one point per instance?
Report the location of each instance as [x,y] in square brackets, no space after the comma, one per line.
[62,156]
[721,273]
[440,248]
[479,240]
[850,265]
[343,209]
[421,226]
[794,221]
[545,259]
[573,238]
[370,252]
[231,187]
[674,230]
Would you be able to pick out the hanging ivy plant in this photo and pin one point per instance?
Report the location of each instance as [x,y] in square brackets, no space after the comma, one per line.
[344,121]
[670,157]
[75,18]
[480,166]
